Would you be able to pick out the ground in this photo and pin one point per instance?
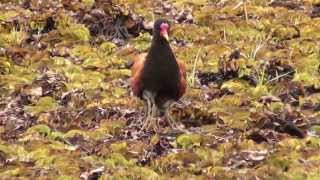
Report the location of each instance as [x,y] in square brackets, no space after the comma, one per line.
[251,110]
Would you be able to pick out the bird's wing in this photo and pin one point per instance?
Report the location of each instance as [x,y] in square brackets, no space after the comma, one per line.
[136,69]
[183,76]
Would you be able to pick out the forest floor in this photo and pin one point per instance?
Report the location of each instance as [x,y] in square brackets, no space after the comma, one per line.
[251,110]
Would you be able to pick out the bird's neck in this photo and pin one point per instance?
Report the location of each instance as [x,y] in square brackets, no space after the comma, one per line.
[161,50]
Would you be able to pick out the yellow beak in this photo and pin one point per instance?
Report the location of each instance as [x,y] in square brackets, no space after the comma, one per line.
[165,35]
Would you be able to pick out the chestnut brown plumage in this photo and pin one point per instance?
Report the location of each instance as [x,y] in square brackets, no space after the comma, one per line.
[157,77]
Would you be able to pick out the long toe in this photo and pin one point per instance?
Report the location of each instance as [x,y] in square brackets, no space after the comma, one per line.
[146,123]
[150,123]
[155,124]
[171,121]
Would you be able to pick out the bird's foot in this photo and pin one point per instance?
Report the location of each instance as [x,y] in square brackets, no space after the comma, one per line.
[150,122]
[172,122]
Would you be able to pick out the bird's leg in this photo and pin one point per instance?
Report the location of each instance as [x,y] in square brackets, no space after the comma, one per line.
[155,114]
[151,110]
[168,116]
[155,110]
[146,96]
[148,106]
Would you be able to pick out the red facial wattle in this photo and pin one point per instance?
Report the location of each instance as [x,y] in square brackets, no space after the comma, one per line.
[164,28]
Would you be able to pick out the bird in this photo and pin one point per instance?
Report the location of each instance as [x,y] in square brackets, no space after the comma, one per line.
[157,77]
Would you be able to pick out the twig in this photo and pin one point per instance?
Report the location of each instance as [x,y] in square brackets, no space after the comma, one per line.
[278,77]
[193,73]
[245,9]
[224,34]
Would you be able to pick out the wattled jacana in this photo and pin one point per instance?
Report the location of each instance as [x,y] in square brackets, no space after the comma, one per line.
[157,77]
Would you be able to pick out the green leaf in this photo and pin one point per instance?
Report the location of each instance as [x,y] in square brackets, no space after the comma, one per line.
[11,172]
[259,91]
[40,129]
[107,47]
[65,177]
[5,149]
[42,157]
[116,159]
[235,86]
[76,132]
[88,3]
[7,15]
[119,147]
[189,140]
[45,104]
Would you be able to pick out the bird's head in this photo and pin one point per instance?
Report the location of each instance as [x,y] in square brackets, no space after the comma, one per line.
[161,29]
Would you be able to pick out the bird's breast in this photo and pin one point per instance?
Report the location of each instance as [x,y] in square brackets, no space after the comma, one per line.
[157,76]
